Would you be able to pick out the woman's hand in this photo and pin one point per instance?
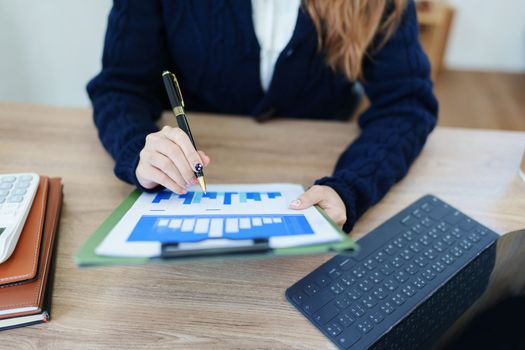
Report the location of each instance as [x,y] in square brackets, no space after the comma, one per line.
[169,159]
[326,198]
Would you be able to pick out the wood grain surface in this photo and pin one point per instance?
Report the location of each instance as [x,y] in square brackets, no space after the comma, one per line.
[225,305]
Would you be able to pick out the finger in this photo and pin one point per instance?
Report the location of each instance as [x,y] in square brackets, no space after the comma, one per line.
[204,158]
[307,199]
[174,153]
[159,177]
[166,166]
[180,138]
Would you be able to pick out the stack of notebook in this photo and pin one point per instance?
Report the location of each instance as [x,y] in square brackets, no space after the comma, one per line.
[25,279]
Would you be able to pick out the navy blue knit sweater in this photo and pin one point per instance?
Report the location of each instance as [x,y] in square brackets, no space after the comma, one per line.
[212,48]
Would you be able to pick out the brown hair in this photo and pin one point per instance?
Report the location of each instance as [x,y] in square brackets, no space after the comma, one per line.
[346,28]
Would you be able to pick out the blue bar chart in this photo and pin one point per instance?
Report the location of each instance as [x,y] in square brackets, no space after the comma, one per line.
[194,228]
[221,198]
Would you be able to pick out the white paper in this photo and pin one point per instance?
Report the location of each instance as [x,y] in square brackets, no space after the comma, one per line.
[214,220]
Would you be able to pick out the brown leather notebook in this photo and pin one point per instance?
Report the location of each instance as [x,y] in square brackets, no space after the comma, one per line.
[28,303]
[22,266]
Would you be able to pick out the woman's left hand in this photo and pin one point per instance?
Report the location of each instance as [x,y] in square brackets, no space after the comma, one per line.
[326,198]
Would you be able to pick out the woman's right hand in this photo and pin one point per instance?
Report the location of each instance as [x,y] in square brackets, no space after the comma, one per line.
[169,159]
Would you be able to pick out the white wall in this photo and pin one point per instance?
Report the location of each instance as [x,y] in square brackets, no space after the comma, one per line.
[49,49]
[487,35]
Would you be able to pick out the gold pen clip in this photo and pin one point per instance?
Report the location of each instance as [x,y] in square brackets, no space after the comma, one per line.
[178,110]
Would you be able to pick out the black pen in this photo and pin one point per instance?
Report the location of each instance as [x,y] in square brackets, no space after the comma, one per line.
[177,105]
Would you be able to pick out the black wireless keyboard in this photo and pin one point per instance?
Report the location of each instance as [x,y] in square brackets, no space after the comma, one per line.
[412,277]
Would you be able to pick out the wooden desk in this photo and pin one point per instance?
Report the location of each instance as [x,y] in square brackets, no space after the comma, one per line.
[228,305]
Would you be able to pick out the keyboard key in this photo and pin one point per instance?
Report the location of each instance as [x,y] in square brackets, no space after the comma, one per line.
[311,289]
[417,213]
[380,257]
[401,276]
[399,242]
[322,281]
[398,299]
[318,301]
[406,254]
[346,319]
[408,290]
[421,261]
[429,274]
[334,329]
[377,317]
[370,264]
[439,246]
[342,302]
[447,259]
[387,270]
[390,284]
[334,274]
[419,282]
[418,229]
[438,212]
[481,231]
[354,294]
[365,285]
[427,222]
[349,337]
[465,244]
[474,237]
[326,313]
[359,272]
[337,288]
[365,326]
[438,266]
[380,293]
[357,310]
[409,236]
[448,239]
[415,247]
[387,308]
[411,269]
[426,207]
[369,301]
[430,254]
[467,224]
[346,264]
[457,251]
[390,249]
[299,297]
[434,233]
[453,218]
[397,262]
[456,232]
[375,277]
[424,240]
[347,280]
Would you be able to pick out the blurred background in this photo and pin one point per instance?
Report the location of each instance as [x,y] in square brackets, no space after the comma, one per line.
[50,49]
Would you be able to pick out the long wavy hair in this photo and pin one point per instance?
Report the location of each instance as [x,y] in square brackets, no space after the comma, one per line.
[347,28]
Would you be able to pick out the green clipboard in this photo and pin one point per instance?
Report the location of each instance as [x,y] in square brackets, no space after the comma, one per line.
[86,256]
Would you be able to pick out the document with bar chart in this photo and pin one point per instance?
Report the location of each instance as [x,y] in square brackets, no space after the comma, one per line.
[227,215]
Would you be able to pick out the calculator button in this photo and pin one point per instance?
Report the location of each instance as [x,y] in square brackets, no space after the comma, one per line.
[4,192]
[20,185]
[6,185]
[26,178]
[19,191]
[15,199]
[8,212]
[8,179]
[2,200]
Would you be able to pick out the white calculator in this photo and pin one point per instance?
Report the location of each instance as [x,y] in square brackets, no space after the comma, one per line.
[17,192]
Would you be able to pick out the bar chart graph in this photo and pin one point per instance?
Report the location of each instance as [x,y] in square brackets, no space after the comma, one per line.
[221,198]
[194,228]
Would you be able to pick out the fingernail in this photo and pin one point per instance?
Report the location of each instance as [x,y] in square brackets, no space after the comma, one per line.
[198,167]
[295,203]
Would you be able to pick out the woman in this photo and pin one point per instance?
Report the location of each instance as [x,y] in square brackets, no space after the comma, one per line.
[260,58]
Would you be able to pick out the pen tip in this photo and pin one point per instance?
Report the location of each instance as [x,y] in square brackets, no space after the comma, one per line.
[202,183]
